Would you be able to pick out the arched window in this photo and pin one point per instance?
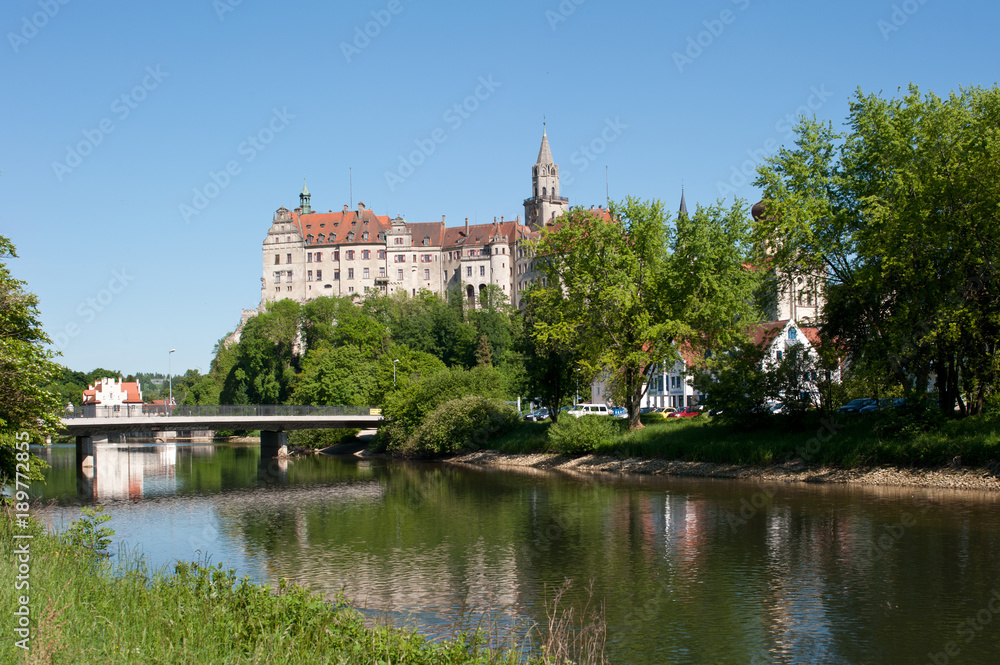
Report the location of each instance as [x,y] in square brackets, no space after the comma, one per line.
[545,191]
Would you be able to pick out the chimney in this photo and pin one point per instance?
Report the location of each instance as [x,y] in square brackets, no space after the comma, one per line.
[361,207]
[346,208]
[442,219]
[466,227]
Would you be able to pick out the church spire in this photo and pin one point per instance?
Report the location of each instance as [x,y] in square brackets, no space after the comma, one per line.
[684,207]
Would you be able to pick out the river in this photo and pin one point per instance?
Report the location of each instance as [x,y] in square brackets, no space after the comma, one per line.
[688,570]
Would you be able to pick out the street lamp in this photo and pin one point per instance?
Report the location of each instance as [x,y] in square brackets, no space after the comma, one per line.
[170,383]
[394,373]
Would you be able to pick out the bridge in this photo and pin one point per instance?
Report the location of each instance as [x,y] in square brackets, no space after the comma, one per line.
[273,421]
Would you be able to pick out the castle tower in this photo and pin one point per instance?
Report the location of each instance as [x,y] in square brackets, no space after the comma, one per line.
[304,199]
[545,203]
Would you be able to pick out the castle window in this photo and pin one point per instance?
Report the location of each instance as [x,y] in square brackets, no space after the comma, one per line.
[350,273]
[319,275]
[365,274]
[366,254]
[336,275]
[309,276]
[545,191]
[397,240]
[381,254]
[309,257]
[277,259]
[288,258]
[319,257]
[399,274]
[336,255]
[482,271]
[381,271]
[350,255]
[427,273]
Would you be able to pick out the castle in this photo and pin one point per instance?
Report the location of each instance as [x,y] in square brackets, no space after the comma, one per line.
[308,254]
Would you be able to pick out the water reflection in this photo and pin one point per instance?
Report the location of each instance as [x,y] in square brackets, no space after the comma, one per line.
[690,571]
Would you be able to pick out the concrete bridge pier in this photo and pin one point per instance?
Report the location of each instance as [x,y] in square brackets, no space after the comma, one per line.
[273,444]
[84,452]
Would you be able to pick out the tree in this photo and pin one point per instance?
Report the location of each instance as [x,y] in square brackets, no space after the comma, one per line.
[336,375]
[900,213]
[633,288]
[28,411]
[265,358]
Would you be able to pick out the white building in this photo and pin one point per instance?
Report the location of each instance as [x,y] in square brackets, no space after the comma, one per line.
[112,397]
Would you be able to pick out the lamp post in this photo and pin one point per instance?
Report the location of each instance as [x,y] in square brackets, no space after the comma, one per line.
[170,383]
[394,373]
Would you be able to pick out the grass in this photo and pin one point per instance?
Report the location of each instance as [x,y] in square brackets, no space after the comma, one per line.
[86,609]
[843,441]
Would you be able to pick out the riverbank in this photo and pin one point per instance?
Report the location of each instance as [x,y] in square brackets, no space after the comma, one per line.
[797,472]
[85,608]
[858,450]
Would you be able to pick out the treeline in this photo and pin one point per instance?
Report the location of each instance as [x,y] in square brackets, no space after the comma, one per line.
[899,215]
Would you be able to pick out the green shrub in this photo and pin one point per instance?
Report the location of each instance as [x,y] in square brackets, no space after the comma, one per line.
[585,434]
[462,424]
[405,411]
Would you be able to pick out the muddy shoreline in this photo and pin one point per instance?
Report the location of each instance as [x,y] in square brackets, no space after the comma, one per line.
[960,478]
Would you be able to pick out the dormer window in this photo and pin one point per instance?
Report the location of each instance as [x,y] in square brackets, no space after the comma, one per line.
[427,241]
[381,236]
[364,236]
[350,236]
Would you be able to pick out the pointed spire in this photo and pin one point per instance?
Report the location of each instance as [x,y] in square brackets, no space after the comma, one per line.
[304,199]
[684,208]
[544,153]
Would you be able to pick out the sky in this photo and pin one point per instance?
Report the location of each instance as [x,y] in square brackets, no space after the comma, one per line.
[144,147]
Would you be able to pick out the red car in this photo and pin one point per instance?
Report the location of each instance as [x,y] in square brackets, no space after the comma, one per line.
[686,412]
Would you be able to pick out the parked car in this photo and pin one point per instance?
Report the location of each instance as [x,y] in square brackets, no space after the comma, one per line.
[538,414]
[643,410]
[686,412]
[880,404]
[619,412]
[662,411]
[587,409]
[855,405]
[776,407]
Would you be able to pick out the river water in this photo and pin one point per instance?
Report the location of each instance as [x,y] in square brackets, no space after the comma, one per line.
[688,570]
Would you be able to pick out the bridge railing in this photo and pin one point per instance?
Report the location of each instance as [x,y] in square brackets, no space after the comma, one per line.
[212,410]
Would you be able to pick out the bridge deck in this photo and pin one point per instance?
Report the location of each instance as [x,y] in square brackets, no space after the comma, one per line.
[276,423]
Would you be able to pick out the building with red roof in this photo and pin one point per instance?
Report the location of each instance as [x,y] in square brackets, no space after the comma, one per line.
[112,397]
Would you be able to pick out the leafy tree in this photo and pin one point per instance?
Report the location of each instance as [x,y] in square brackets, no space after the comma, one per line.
[634,288]
[26,407]
[551,362]
[429,323]
[340,322]
[265,358]
[338,375]
[900,213]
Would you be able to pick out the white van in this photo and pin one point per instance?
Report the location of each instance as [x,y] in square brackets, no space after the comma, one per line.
[589,410]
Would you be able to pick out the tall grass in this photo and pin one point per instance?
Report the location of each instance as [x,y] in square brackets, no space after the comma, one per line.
[87,608]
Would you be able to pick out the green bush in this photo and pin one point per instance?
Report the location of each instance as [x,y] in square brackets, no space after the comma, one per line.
[585,434]
[462,424]
[406,410]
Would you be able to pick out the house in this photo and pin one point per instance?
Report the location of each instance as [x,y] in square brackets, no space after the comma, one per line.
[112,397]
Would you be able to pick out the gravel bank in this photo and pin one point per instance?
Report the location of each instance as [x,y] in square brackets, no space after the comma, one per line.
[964,478]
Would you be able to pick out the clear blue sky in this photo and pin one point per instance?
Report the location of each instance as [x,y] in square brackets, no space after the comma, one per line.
[115,112]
